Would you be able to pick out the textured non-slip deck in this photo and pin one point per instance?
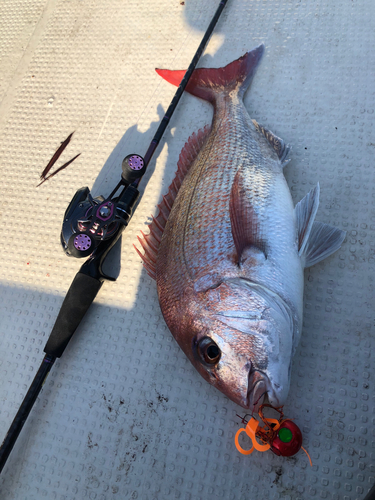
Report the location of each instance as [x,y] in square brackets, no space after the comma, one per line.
[123,414]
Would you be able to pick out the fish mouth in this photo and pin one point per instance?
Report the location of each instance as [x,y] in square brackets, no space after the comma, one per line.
[258,388]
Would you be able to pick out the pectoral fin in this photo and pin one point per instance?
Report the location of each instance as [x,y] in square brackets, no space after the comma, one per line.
[244,221]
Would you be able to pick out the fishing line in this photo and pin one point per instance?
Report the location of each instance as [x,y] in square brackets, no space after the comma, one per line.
[150,104]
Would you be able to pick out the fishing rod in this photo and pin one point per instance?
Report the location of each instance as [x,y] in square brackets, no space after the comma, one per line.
[91,228]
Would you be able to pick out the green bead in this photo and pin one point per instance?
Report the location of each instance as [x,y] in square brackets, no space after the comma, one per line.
[285,435]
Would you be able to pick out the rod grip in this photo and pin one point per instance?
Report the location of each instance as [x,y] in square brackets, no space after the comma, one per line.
[80,296]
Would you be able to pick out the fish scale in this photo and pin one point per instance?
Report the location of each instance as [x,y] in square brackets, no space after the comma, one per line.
[229,257]
[211,239]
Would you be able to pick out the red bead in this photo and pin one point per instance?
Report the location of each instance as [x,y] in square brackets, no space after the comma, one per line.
[288,440]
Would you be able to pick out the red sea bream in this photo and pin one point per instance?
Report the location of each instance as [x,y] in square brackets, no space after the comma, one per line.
[228,248]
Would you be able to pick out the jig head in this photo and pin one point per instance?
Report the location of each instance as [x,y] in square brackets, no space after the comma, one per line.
[282,435]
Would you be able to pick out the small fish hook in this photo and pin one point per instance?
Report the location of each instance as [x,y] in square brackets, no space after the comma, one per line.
[282,435]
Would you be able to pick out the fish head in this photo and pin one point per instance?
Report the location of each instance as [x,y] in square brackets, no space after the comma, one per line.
[240,341]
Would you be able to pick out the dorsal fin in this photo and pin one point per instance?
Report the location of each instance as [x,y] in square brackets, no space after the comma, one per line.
[150,242]
[282,149]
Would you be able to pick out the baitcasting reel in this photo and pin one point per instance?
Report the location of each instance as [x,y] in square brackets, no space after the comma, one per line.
[88,220]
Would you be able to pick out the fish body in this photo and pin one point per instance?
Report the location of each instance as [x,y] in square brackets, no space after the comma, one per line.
[228,248]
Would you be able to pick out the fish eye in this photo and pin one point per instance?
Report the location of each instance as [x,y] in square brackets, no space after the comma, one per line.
[209,351]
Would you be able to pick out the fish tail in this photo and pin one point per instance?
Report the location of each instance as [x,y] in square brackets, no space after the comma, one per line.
[207,83]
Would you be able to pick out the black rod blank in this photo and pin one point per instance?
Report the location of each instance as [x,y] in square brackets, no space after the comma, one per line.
[25,408]
[176,98]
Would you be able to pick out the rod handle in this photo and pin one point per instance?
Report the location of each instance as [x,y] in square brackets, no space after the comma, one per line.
[79,298]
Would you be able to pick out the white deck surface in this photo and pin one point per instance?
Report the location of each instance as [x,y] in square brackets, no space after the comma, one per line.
[123,414]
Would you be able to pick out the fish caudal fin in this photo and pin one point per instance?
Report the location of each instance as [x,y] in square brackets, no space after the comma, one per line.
[316,240]
[150,242]
[206,83]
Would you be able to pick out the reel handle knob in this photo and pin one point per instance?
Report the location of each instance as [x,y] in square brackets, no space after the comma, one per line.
[133,167]
[81,245]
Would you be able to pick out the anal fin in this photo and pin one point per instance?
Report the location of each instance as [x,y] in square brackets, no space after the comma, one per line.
[316,240]
[305,211]
[151,241]
[324,240]
[282,149]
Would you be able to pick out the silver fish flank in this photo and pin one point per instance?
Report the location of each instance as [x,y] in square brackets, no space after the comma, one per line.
[228,248]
